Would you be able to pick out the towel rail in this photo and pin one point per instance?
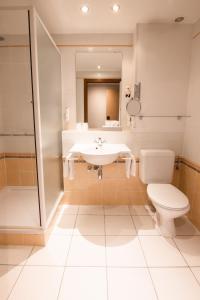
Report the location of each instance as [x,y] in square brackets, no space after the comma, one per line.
[178,117]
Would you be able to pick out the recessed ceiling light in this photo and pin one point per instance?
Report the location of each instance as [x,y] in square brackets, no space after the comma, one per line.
[98,67]
[84,9]
[115,8]
[179,19]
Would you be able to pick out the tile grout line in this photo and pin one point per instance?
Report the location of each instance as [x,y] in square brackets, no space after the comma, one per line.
[106,253]
[194,275]
[105,236]
[67,255]
[147,267]
[98,266]
[23,266]
[188,266]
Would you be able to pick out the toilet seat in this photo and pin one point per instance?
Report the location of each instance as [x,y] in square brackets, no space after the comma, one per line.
[167,196]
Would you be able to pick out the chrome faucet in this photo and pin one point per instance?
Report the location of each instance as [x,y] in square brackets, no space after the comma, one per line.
[99,141]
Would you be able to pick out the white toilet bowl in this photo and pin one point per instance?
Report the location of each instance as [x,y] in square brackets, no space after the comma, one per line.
[170,203]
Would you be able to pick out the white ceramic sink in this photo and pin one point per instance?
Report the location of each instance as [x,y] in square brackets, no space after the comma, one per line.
[100,155]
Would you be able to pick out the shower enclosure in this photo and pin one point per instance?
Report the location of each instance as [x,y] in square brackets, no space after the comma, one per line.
[30,122]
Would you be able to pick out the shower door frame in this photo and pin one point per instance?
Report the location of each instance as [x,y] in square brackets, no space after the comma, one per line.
[33,15]
[25,229]
[44,221]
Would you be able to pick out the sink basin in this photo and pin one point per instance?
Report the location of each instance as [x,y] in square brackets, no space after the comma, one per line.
[100,155]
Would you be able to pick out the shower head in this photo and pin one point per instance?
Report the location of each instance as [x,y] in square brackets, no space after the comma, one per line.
[2,39]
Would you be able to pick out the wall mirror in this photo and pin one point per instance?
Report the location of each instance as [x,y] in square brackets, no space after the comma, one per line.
[98,89]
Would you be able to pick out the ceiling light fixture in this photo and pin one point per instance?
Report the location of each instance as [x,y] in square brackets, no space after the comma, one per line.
[84,9]
[179,19]
[115,8]
[98,67]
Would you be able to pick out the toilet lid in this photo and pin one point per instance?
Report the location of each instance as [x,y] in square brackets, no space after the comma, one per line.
[168,196]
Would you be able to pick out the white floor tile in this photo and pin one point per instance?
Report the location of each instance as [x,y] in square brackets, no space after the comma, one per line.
[91,210]
[190,248]
[117,210]
[39,283]
[145,225]
[87,251]
[89,225]
[69,209]
[14,255]
[119,225]
[64,224]
[84,284]
[196,272]
[124,251]
[185,227]
[8,277]
[140,210]
[129,284]
[175,283]
[53,254]
[161,252]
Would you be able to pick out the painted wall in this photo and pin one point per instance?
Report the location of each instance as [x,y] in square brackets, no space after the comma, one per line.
[162,67]
[191,149]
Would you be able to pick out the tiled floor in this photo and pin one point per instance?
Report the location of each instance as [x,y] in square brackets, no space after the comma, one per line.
[105,253]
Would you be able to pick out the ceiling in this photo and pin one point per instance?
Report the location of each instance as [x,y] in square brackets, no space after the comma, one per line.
[64,16]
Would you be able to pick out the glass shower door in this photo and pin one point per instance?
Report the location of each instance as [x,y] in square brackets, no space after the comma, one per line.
[50,118]
[19,202]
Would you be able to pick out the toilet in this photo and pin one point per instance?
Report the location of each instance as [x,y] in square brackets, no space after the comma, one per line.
[156,170]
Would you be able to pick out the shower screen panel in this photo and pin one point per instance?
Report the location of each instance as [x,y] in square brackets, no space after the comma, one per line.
[19,202]
[50,116]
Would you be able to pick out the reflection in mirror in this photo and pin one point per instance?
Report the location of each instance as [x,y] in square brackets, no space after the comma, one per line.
[133,107]
[98,78]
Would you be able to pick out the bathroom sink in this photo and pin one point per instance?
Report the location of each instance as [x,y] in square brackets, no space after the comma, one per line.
[100,155]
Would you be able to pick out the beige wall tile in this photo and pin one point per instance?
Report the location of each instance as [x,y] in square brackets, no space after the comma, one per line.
[26,164]
[114,188]
[22,239]
[12,164]
[195,209]
[21,171]
[188,184]
[3,178]
[26,178]
[13,178]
